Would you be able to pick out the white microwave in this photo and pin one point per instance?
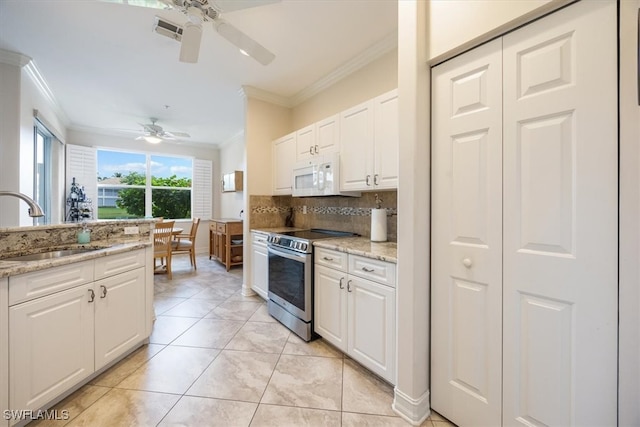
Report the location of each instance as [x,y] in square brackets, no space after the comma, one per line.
[319,176]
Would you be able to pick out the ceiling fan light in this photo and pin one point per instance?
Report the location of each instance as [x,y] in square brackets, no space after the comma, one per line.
[152,139]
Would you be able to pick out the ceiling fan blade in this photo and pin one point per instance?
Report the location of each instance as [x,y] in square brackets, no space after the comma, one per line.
[178,134]
[190,46]
[246,44]
[154,4]
[231,5]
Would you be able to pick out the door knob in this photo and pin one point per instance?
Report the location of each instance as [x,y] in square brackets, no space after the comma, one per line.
[467,262]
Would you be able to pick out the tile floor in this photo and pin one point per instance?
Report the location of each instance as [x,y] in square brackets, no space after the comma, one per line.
[216,358]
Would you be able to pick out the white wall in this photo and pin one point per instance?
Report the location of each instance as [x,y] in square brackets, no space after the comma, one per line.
[232,158]
[9,143]
[376,78]
[456,25]
[199,151]
[629,367]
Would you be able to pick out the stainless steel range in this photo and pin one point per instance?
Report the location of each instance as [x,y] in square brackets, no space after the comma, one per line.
[291,277]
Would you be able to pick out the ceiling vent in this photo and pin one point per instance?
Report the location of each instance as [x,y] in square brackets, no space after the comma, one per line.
[168,29]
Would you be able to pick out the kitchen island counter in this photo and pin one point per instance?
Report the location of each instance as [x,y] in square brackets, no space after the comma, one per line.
[363,246]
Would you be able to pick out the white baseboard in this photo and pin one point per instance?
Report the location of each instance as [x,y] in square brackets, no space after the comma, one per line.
[414,411]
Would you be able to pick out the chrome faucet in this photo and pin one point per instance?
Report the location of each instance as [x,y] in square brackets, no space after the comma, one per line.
[34,209]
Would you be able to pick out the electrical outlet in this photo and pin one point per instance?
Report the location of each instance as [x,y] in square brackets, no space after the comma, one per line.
[304,209]
[131,230]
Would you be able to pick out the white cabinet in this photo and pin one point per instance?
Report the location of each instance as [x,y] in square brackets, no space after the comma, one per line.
[259,264]
[356,314]
[50,345]
[369,144]
[284,157]
[4,346]
[119,320]
[319,138]
[60,334]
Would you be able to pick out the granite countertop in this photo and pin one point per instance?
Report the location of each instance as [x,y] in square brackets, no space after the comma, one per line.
[383,251]
[75,225]
[13,268]
[277,229]
[225,220]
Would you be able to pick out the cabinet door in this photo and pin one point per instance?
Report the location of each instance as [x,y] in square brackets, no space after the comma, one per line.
[386,141]
[330,306]
[561,219]
[284,157]
[260,266]
[4,346]
[306,146]
[356,148]
[51,346]
[466,242]
[372,326]
[119,315]
[328,135]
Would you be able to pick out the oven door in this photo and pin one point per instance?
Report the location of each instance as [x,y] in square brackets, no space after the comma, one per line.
[290,281]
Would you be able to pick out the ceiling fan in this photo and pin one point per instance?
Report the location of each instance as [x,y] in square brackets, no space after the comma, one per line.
[154,133]
[201,11]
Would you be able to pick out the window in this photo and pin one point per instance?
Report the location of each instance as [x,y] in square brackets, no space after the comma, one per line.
[137,185]
[42,172]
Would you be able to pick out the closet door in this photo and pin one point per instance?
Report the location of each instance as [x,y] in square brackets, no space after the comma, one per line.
[466,246]
[561,219]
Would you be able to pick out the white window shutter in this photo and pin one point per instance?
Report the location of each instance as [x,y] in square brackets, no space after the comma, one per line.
[202,189]
[82,165]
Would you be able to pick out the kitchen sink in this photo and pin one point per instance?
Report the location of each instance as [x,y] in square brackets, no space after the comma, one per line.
[51,254]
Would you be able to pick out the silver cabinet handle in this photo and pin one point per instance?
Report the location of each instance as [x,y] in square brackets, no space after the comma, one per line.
[311,150]
[375,179]
[316,149]
[349,286]
[467,262]
[92,295]
[368,180]
[341,285]
[103,288]
[326,258]
[222,183]
[368,270]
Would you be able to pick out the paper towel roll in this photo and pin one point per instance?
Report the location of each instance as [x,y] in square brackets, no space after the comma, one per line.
[379,225]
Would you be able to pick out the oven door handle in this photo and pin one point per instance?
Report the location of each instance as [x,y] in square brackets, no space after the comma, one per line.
[287,254]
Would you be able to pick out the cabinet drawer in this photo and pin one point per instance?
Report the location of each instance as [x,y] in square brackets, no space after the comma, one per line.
[220,227]
[213,226]
[116,264]
[330,258]
[379,271]
[259,239]
[28,286]
[234,228]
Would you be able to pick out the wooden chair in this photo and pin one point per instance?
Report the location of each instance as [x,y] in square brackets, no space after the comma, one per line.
[162,245]
[186,243]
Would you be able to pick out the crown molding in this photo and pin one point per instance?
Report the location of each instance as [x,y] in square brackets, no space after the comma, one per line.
[42,86]
[13,58]
[374,52]
[263,95]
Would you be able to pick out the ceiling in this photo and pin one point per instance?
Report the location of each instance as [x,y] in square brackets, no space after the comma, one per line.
[109,71]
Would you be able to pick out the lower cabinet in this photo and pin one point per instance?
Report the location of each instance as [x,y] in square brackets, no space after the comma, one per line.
[356,314]
[259,264]
[59,339]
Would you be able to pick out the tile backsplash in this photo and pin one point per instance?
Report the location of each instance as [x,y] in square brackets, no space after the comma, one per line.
[336,213]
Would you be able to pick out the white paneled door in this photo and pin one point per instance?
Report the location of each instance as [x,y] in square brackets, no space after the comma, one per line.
[561,219]
[466,228]
[525,226]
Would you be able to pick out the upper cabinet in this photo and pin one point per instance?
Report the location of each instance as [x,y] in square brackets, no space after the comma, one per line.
[366,136]
[232,181]
[319,138]
[284,157]
[369,144]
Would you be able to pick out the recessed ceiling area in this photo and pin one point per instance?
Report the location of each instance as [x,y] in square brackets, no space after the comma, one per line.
[109,70]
